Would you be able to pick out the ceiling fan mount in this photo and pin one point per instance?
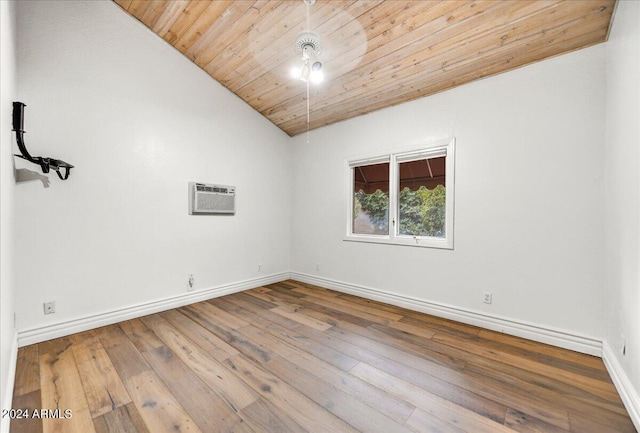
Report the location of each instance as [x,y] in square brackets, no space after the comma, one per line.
[308,45]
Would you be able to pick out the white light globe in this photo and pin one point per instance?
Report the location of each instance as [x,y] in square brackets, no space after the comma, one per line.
[296,72]
[316,77]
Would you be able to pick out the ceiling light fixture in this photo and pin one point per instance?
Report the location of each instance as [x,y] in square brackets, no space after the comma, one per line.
[308,47]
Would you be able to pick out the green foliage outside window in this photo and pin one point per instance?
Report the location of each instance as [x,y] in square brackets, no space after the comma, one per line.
[422,212]
[376,206]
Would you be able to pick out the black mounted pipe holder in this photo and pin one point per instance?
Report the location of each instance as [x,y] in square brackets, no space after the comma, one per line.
[45,163]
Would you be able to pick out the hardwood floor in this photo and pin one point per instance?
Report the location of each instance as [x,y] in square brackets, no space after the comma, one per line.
[291,357]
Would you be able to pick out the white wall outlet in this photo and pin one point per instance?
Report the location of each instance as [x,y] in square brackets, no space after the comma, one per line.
[259,268]
[623,345]
[191,283]
[487,298]
[49,307]
[318,268]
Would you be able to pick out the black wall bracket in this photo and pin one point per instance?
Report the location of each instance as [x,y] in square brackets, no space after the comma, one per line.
[45,163]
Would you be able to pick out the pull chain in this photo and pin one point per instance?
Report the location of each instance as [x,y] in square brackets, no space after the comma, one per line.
[308,113]
[308,3]
[308,68]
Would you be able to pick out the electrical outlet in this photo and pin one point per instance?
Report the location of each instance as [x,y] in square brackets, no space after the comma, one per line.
[15,321]
[191,283]
[623,345]
[488,298]
[259,268]
[318,268]
[49,307]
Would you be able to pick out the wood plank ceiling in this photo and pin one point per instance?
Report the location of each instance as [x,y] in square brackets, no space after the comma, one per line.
[375,54]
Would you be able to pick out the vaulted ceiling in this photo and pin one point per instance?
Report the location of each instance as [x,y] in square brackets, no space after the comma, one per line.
[374,54]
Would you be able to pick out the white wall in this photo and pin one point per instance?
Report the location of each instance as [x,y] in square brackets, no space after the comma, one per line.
[7,187]
[138,121]
[529,191]
[622,190]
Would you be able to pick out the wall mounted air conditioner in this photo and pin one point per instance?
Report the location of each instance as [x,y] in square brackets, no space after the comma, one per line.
[207,198]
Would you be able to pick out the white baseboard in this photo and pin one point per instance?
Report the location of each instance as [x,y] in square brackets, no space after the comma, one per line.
[68,327]
[531,331]
[628,393]
[11,378]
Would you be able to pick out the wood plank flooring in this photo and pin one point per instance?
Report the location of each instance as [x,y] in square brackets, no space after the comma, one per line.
[291,357]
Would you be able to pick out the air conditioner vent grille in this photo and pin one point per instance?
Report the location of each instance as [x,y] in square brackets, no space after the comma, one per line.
[213,202]
[211,199]
[205,188]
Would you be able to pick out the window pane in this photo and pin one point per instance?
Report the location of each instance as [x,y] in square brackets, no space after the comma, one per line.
[422,198]
[371,199]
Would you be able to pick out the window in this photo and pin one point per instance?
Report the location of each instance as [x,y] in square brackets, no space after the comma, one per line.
[371,190]
[403,198]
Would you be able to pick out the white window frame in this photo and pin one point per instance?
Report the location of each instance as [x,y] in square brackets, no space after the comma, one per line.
[434,149]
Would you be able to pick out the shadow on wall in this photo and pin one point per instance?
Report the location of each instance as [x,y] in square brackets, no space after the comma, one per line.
[25,175]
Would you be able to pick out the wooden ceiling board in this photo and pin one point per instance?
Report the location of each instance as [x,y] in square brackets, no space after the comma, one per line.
[266,47]
[282,54]
[137,8]
[375,53]
[229,24]
[124,4]
[342,57]
[264,33]
[201,24]
[183,21]
[169,16]
[411,63]
[418,84]
[266,83]
[446,80]
[152,13]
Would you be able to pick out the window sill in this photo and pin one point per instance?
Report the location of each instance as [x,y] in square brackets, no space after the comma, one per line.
[446,244]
